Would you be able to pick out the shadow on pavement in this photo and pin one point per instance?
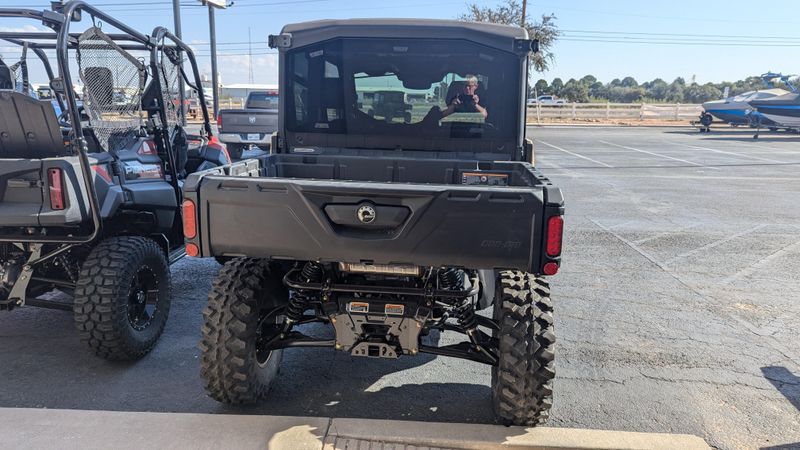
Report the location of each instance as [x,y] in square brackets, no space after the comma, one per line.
[43,365]
[787,384]
[338,385]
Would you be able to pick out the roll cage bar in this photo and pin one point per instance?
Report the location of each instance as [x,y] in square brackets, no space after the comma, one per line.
[62,40]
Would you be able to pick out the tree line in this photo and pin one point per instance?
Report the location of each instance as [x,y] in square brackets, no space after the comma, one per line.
[628,90]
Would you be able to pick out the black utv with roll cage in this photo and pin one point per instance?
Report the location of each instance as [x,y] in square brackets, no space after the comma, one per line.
[89,199]
[386,230]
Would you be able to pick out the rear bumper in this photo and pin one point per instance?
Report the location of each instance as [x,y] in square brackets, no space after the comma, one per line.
[241,138]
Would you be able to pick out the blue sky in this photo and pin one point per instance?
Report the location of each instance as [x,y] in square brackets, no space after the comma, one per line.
[617,22]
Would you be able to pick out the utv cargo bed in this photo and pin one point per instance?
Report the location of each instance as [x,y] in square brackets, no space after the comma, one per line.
[330,208]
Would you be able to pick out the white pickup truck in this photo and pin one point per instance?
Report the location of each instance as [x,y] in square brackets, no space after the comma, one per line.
[546,100]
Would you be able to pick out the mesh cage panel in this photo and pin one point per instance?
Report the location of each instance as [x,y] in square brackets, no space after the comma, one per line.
[169,81]
[17,77]
[19,73]
[113,84]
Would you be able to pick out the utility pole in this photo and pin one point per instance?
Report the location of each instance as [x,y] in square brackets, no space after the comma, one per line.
[249,56]
[212,31]
[524,8]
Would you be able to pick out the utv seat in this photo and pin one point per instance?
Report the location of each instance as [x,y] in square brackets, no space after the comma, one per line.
[29,128]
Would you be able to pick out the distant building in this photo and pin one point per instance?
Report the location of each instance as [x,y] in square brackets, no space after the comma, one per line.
[241,90]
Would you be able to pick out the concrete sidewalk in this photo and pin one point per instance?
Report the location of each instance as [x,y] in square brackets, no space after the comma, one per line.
[73,429]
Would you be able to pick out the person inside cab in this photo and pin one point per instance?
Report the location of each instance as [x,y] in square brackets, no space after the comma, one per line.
[467,100]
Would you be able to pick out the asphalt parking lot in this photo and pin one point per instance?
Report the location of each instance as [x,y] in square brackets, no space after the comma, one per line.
[677,308]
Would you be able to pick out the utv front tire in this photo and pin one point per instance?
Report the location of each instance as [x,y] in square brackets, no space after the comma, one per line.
[122,297]
[522,382]
[240,307]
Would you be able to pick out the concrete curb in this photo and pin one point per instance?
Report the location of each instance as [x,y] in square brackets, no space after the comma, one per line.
[73,429]
[343,433]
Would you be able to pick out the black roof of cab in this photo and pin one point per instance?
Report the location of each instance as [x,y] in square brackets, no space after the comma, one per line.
[502,37]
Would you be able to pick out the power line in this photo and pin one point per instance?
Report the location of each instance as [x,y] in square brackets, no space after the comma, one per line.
[708,44]
[682,34]
[680,18]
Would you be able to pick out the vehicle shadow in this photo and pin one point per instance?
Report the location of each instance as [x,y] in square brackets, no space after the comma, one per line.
[44,365]
[787,384]
[322,382]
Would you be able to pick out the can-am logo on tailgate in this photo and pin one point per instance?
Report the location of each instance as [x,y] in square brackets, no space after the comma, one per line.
[366,214]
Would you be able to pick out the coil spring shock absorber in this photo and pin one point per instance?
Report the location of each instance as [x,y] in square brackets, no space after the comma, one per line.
[466,316]
[298,303]
[451,279]
[454,279]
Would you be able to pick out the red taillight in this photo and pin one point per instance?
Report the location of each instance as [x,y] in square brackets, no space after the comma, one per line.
[189,219]
[219,121]
[555,228]
[550,268]
[55,183]
[192,249]
[102,172]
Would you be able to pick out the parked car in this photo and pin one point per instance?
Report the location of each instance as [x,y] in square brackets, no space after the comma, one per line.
[385,231]
[549,100]
[253,125]
[390,104]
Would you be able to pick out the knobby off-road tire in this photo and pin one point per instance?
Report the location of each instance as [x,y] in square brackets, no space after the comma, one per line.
[232,369]
[522,382]
[122,297]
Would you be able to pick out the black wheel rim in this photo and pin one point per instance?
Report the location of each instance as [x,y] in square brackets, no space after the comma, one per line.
[143,298]
[269,327]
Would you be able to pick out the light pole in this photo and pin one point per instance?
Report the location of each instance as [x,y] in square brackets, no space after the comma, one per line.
[212,31]
[176,13]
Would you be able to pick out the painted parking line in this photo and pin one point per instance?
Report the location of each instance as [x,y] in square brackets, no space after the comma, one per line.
[664,234]
[653,153]
[701,177]
[574,154]
[756,266]
[716,243]
[760,146]
[741,155]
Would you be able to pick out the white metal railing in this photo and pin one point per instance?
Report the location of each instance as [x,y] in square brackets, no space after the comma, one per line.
[583,111]
[610,111]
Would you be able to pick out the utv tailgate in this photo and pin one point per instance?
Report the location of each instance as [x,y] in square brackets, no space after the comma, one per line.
[479,227]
